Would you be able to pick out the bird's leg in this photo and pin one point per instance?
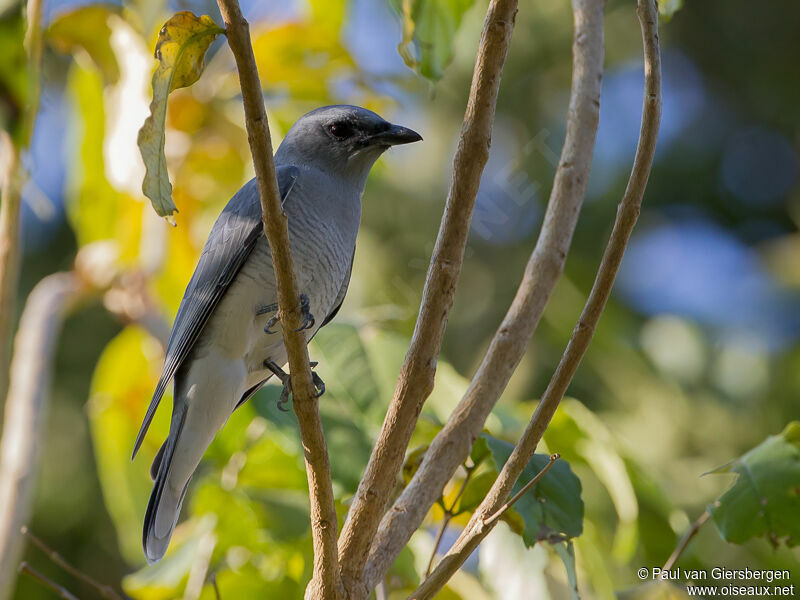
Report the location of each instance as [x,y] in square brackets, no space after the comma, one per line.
[269,308]
[286,380]
[305,312]
[319,385]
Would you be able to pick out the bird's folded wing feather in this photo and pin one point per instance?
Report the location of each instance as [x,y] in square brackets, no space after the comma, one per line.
[229,244]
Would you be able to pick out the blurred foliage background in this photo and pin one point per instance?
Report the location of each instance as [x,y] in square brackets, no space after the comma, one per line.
[696,360]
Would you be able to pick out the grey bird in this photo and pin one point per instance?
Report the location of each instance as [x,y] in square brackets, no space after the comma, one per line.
[222,348]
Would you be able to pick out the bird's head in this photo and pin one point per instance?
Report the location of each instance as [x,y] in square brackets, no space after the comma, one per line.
[341,138]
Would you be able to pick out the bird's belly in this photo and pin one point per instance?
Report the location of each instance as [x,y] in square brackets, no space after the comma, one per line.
[237,330]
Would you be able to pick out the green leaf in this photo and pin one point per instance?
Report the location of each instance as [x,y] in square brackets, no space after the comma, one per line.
[14,82]
[87,28]
[429,29]
[123,380]
[180,50]
[480,451]
[765,498]
[566,552]
[412,463]
[475,490]
[167,578]
[552,509]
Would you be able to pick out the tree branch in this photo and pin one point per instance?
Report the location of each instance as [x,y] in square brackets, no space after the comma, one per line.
[31,369]
[11,175]
[9,250]
[627,214]
[452,445]
[62,592]
[326,581]
[684,543]
[416,377]
[106,591]
[490,520]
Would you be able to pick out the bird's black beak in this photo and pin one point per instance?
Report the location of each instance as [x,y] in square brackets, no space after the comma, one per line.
[395,135]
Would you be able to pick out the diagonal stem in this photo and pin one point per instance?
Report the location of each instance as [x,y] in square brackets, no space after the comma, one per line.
[627,214]
[501,511]
[452,445]
[416,378]
[62,592]
[106,591]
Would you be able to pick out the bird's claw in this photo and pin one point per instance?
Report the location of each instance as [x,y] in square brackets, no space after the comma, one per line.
[269,308]
[286,380]
[305,312]
[268,327]
[319,385]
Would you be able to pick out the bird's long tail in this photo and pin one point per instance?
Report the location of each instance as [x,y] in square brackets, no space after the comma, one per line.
[167,495]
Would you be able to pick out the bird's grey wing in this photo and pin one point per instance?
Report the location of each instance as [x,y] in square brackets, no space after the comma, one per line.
[230,242]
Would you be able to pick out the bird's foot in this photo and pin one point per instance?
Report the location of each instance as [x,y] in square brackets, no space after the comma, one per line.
[269,308]
[286,380]
[319,385]
[305,313]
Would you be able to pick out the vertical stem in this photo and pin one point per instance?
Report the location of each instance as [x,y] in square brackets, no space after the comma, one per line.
[9,250]
[326,580]
[31,369]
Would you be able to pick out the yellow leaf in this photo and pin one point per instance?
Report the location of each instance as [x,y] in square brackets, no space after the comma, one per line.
[180,50]
[87,28]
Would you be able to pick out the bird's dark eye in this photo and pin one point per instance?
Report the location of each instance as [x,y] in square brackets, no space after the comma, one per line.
[341,130]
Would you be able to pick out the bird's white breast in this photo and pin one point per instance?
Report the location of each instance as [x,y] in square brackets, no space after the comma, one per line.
[323,223]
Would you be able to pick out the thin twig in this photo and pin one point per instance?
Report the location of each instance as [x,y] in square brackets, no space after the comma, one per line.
[416,377]
[63,592]
[449,513]
[437,541]
[627,214]
[28,394]
[453,443]
[500,511]
[684,543]
[326,580]
[106,591]
[213,580]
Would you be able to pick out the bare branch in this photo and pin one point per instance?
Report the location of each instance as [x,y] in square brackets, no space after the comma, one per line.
[627,214]
[106,591]
[62,592]
[501,511]
[31,369]
[9,250]
[213,580]
[684,543]
[11,176]
[417,373]
[326,581]
[452,445]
